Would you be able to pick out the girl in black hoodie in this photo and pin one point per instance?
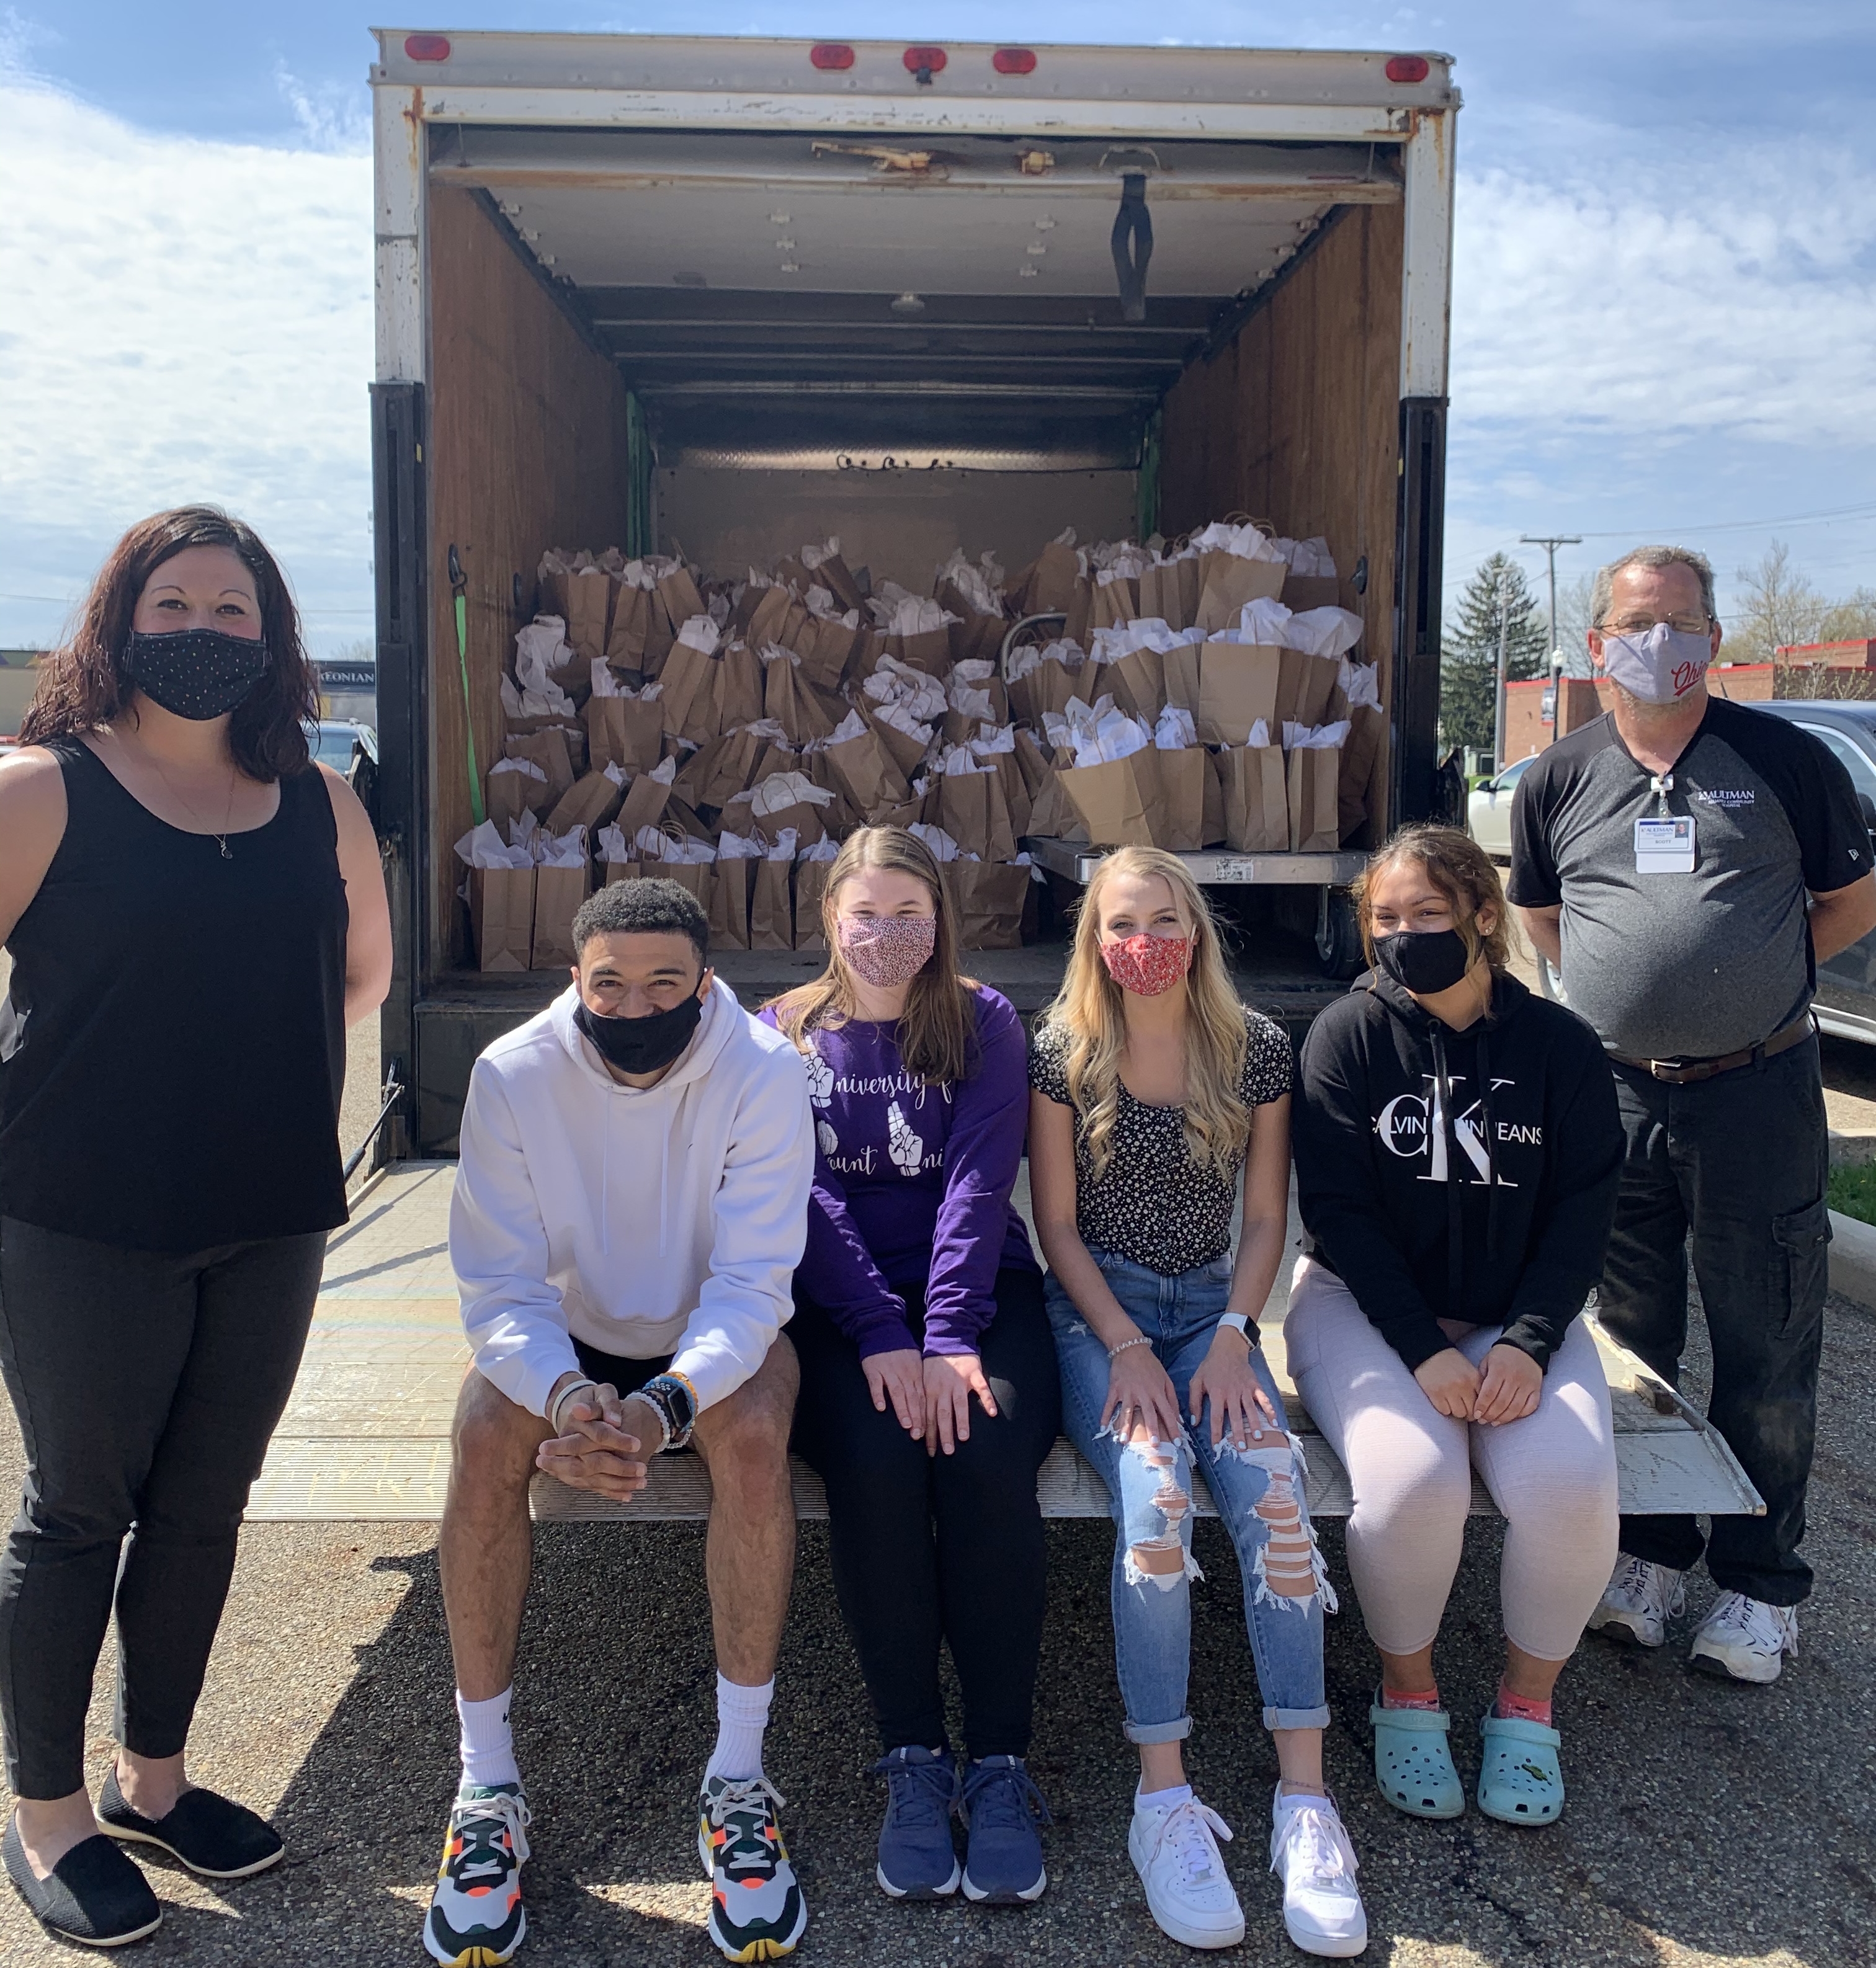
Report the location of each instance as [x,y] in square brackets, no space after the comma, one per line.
[1457,1153]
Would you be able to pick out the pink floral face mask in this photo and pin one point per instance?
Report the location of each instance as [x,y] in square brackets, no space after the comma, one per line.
[1148,966]
[886,951]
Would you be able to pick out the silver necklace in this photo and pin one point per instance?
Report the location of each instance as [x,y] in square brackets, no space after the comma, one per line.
[189,805]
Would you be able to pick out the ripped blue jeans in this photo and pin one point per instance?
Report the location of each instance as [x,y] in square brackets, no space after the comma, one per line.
[1259,1493]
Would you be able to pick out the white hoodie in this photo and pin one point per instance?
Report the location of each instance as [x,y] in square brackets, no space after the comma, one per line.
[665,1219]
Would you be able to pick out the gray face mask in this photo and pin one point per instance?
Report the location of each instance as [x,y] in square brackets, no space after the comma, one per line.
[1660,667]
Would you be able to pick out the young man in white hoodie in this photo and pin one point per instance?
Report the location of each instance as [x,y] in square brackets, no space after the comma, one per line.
[630,1205]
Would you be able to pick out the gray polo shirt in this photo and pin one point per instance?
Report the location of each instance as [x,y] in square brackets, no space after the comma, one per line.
[1688,965]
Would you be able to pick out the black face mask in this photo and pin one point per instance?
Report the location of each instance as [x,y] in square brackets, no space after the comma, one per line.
[1424,962]
[641,1045]
[196,673]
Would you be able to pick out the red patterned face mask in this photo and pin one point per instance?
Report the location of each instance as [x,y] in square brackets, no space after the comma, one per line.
[1148,966]
[886,951]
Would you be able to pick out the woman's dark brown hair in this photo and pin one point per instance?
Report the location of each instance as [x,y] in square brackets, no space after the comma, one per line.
[1461,871]
[82,684]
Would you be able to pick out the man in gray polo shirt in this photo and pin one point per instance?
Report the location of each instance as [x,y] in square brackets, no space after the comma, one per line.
[1685,861]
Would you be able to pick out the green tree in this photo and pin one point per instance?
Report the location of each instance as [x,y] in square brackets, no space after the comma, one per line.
[1773,606]
[1499,592]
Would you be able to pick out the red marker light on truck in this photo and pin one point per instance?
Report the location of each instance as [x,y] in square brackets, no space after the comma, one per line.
[831,55]
[925,62]
[427,48]
[1407,68]
[1013,61]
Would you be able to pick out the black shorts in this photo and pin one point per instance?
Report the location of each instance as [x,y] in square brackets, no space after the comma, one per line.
[612,1370]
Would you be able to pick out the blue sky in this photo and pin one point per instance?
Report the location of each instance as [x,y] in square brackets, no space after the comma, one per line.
[1665,270]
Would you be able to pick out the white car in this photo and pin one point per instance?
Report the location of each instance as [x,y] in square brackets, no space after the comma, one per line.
[1488,809]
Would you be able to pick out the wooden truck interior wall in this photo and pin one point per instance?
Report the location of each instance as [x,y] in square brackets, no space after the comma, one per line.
[1298,419]
[527,447]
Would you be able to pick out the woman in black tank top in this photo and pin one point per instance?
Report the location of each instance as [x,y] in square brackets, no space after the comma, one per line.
[195,913]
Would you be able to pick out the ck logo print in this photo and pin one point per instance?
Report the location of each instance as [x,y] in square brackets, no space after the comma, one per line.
[1412,1124]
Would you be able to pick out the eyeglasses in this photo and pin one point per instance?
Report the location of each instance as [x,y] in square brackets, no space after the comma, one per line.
[1640,625]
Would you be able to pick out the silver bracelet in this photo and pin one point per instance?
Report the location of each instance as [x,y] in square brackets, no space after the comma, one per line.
[561,1399]
[1139,1339]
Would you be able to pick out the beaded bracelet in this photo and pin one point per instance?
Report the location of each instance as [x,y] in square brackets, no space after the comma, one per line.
[1139,1339]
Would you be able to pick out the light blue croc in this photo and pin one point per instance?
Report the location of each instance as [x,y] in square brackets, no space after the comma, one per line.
[1413,1765]
[1521,1781]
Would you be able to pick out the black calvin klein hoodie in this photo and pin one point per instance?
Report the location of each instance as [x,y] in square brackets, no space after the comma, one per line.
[1521,1107]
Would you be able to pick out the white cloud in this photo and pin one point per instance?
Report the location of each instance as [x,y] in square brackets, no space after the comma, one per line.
[185,321]
[1735,295]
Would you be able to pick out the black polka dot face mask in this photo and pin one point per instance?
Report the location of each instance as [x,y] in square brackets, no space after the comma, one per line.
[196,673]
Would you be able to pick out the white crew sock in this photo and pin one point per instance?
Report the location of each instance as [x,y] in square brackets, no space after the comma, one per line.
[1163,1800]
[487,1742]
[742,1715]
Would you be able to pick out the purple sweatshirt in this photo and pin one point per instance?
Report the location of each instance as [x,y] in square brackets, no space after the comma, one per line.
[912,1184]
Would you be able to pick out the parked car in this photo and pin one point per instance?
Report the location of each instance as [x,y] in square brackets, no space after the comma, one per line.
[1488,809]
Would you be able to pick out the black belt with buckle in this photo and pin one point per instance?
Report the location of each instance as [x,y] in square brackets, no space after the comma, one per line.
[1685,1072]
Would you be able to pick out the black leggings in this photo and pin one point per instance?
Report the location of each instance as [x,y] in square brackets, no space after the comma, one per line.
[147,1386]
[938,1547]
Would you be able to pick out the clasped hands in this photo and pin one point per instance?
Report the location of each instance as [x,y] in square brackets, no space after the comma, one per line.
[601,1451]
[1507,1389]
[930,1393]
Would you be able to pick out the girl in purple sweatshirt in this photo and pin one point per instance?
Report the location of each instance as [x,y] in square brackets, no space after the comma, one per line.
[929,1391]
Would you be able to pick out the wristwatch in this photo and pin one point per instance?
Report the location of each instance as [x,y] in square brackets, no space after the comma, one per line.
[1241,1325]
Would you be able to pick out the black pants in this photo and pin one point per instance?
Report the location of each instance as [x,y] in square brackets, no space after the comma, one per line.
[146,1386]
[938,1547]
[1740,1161]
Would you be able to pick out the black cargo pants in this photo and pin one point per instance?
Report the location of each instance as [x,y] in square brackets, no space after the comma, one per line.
[1738,1161]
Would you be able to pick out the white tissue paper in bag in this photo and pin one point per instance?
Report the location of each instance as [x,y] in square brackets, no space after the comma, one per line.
[1175,730]
[484,847]
[943,847]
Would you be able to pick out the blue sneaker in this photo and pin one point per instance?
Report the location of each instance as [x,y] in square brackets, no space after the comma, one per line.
[917,1858]
[1003,1861]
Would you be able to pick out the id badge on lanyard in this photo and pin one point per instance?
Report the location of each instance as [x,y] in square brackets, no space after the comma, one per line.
[1664,843]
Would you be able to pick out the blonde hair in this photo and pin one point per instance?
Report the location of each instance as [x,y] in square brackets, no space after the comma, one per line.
[1089,1016]
[937,1031]
[1461,871]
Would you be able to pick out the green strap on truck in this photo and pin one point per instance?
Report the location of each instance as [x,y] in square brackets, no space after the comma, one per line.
[458,584]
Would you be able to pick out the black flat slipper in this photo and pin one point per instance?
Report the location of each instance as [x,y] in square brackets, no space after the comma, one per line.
[95,1896]
[212,1836]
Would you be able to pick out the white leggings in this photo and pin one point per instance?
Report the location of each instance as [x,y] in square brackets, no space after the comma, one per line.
[1553,1474]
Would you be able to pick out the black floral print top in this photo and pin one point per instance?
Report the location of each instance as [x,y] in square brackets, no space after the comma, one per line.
[1153,1206]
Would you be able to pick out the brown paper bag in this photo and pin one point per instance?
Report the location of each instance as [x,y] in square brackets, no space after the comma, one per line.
[631,626]
[810,885]
[1237,685]
[1256,803]
[1212,814]
[825,648]
[589,612]
[929,650]
[771,906]
[510,795]
[686,677]
[1360,751]
[623,731]
[550,591]
[737,685]
[837,577]
[501,914]
[1114,602]
[1033,763]
[973,811]
[619,871]
[787,698]
[1228,582]
[1052,580]
[728,904]
[907,752]
[548,749]
[1139,684]
[1080,610]
[558,894]
[715,772]
[1314,820]
[646,800]
[679,593]
[1302,592]
[1114,802]
[1178,816]
[868,773]
[990,898]
[1052,814]
[1304,685]
[590,802]
[1016,795]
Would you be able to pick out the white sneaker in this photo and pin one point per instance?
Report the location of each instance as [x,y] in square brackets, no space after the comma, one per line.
[1638,1601]
[1177,1856]
[1746,1638]
[1309,1851]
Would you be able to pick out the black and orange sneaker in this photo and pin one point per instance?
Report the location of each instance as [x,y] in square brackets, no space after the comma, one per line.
[476,1919]
[756,1910]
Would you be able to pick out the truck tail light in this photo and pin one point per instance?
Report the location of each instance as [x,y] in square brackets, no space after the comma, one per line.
[835,55]
[427,48]
[1407,68]
[925,63]
[1013,61]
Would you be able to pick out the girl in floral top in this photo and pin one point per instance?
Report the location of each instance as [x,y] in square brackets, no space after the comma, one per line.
[1157,1099]
[929,1396]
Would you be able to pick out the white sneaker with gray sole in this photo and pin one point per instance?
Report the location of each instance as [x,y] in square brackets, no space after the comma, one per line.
[1637,1603]
[1745,1638]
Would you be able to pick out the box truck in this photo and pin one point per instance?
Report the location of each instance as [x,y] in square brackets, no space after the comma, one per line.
[720,297]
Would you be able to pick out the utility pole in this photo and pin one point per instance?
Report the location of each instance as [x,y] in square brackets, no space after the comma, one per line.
[1498,720]
[1550,544]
